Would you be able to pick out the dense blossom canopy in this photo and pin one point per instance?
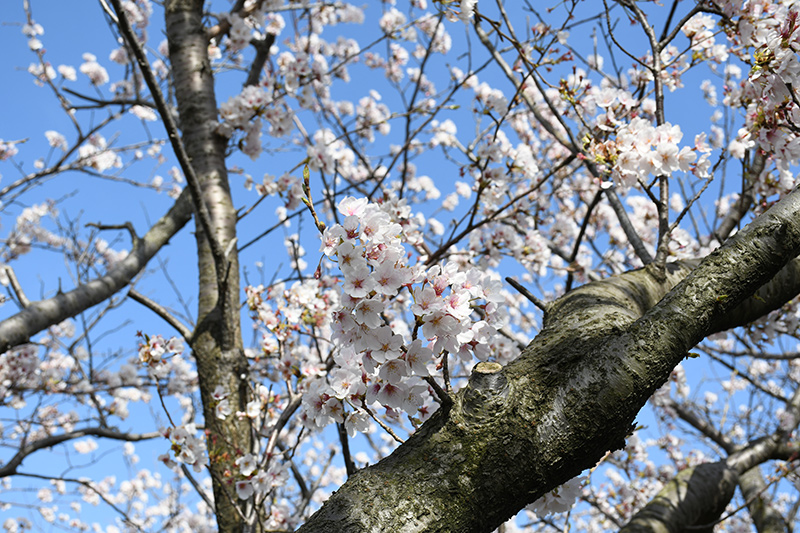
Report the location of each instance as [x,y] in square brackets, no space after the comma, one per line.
[384,174]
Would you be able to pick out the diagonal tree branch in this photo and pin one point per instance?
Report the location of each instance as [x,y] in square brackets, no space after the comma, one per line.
[10,468]
[571,396]
[20,327]
[695,497]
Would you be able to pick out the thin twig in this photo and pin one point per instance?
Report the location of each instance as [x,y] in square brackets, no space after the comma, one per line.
[14,282]
[527,294]
[382,424]
[444,399]
[163,313]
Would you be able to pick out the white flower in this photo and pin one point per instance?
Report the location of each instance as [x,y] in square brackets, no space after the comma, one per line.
[244,489]
[247,464]
[55,139]
[85,446]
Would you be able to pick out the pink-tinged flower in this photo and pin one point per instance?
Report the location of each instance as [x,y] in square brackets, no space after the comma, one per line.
[247,464]
[628,161]
[668,133]
[357,421]
[244,489]
[175,345]
[349,257]
[331,239]
[367,312]
[223,409]
[55,139]
[96,73]
[68,72]
[346,383]
[351,227]
[391,395]
[277,474]
[385,344]
[379,228]
[219,393]
[389,278]
[685,158]
[359,282]
[417,358]
[85,446]
[144,113]
[393,371]
[253,408]
[439,324]
[457,304]
[426,301]
[700,143]
[415,393]
[667,156]
[352,206]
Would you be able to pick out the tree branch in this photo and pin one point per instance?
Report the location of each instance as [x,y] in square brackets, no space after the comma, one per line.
[20,327]
[163,313]
[570,397]
[697,496]
[10,468]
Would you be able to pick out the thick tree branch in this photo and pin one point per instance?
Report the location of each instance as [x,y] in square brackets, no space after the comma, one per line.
[696,497]
[216,339]
[571,396]
[20,327]
[763,514]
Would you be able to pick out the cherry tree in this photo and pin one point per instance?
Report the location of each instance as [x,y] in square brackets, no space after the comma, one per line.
[536,270]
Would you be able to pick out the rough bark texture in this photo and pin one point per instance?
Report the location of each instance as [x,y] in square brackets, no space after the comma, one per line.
[40,315]
[572,394]
[696,497]
[216,342]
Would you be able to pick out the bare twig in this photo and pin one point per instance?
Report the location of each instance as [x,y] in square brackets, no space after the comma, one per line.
[527,294]
[162,312]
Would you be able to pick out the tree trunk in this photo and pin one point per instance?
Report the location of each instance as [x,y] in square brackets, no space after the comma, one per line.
[515,433]
[216,341]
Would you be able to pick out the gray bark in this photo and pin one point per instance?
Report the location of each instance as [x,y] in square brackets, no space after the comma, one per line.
[696,497]
[765,517]
[573,393]
[216,341]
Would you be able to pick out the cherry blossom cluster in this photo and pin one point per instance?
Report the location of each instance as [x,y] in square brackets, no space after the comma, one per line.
[187,447]
[641,149]
[29,230]
[17,370]
[155,348]
[96,154]
[379,360]
[330,154]
[97,74]
[560,499]
[700,30]
[244,112]
[256,480]
[773,114]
